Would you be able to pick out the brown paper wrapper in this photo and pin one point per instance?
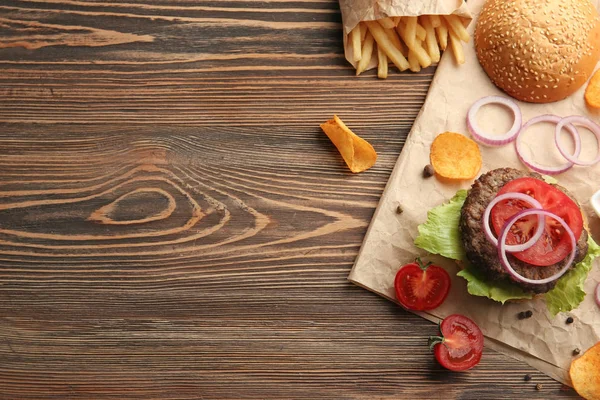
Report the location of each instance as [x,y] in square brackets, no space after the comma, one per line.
[543,341]
[355,11]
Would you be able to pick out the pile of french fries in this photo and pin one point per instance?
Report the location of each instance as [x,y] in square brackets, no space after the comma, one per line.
[408,42]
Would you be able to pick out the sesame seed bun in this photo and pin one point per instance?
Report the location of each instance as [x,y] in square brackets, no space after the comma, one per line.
[538,51]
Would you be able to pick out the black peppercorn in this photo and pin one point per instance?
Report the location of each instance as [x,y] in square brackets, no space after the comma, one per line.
[570,320]
[428,171]
[527,378]
[525,314]
[399,209]
[576,351]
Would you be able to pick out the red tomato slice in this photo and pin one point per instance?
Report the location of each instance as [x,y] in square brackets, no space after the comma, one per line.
[461,344]
[554,245]
[421,287]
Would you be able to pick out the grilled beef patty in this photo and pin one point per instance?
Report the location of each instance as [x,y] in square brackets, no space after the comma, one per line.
[482,254]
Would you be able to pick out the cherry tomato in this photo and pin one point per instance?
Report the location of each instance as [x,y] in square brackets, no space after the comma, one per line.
[554,245]
[460,346]
[421,287]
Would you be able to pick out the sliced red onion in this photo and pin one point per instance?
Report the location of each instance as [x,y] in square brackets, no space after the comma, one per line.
[502,246]
[542,169]
[484,137]
[512,248]
[583,121]
[596,202]
[597,295]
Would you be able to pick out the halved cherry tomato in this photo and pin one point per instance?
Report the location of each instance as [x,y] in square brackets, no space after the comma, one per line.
[461,344]
[421,287]
[554,245]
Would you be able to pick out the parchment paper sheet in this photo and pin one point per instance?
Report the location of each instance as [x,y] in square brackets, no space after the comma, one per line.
[355,11]
[544,342]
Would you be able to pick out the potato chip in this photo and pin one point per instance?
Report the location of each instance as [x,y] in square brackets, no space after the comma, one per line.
[585,373]
[455,156]
[356,152]
[592,92]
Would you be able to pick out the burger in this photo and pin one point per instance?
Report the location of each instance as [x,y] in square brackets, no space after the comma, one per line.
[538,51]
[541,261]
[477,226]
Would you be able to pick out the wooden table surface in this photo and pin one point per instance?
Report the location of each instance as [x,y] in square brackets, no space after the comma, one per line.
[174,224]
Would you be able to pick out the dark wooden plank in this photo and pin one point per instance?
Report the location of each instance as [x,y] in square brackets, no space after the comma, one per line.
[173,224]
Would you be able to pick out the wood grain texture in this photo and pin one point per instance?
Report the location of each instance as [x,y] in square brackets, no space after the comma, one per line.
[173,223]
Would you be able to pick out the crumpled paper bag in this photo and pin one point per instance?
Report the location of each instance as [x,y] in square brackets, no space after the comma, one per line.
[543,341]
[355,11]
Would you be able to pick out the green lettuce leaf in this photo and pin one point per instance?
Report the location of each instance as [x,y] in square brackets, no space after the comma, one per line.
[440,234]
[568,292]
[500,291]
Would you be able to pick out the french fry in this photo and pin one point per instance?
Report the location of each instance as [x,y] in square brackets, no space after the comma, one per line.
[382,64]
[387,23]
[420,53]
[457,49]
[442,34]
[367,52]
[435,20]
[387,46]
[421,33]
[456,26]
[355,40]
[363,31]
[430,40]
[413,61]
[391,34]
[411,31]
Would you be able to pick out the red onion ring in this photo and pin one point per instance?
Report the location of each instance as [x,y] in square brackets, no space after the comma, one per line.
[512,248]
[579,120]
[502,246]
[597,295]
[492,140]
[542,169]
[596,202]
